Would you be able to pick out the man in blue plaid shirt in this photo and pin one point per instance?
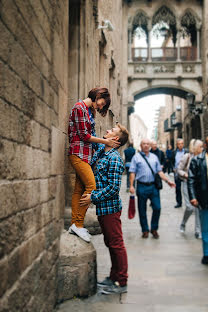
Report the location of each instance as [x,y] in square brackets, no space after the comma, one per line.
[108,174]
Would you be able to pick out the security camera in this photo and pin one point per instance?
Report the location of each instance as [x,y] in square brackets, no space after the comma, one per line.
[107,25]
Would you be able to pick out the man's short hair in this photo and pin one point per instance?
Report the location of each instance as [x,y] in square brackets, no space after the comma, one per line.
[179,139]
[123,134]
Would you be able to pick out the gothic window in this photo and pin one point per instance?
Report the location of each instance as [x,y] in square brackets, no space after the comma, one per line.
[140,36]
[188,36]
[164,22]
[188,27]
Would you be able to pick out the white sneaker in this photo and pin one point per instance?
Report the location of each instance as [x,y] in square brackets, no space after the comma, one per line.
[70,230]
[182,228]
[81,232]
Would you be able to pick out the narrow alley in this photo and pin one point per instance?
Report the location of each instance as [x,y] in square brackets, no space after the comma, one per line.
[165,275]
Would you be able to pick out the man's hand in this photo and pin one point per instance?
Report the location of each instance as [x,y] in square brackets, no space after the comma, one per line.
[132,190]
[112,143]
[171,184]
[85,200]
[194,202]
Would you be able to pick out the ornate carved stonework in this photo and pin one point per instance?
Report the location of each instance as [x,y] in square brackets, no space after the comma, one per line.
[139,69]
[189,68]
[164,68]
[164,14]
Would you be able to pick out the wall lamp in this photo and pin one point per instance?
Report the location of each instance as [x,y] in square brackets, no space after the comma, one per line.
[190,101]
[106,25]
[194,108]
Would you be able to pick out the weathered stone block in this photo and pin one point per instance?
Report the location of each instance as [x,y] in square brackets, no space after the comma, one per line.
[63,113]
[60,196]
[44,190]
[35,26]
[77,268]
[11,86]
[37,6]
[44,139]
[8,202]
[58,149]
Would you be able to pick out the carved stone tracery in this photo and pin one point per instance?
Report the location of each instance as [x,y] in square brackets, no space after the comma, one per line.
[164,14]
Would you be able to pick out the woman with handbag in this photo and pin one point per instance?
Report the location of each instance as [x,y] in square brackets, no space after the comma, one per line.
[195,148]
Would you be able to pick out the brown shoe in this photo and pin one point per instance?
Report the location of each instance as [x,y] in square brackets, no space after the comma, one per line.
[155,234]
[145,234]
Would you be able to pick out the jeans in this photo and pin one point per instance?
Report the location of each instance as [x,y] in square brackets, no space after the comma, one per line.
[144,193]
[178,190]
[204,228]
[113,238]
[84,184]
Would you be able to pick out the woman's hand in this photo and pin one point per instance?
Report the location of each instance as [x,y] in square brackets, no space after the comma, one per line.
[112,143]
[194,202]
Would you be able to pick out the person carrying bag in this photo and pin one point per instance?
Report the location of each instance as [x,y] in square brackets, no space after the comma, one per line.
[158,180]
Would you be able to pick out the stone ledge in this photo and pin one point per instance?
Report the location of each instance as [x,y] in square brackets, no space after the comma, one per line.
[77,272]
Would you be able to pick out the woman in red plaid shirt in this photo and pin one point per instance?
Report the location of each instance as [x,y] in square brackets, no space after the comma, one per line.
[81,138]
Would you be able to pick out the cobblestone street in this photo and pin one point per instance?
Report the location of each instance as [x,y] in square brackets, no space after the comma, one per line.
[165,275]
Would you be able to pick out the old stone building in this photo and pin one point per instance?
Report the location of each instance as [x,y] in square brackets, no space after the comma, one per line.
[138,130]
[51,54]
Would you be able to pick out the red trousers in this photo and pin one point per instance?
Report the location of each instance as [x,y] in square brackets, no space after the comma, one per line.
[113,238]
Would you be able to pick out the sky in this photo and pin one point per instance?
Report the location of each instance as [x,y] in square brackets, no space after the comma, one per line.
[147,106]
[146,109]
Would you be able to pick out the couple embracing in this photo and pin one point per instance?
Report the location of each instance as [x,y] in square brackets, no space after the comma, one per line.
[101,187]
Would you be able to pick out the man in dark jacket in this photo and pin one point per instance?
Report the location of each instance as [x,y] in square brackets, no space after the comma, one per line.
[128,153]
[198,193]
[155,150]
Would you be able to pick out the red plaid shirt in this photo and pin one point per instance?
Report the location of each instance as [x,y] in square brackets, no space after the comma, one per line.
[79,132]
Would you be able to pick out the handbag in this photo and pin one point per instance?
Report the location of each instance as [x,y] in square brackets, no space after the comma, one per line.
[158,180]
[131,209]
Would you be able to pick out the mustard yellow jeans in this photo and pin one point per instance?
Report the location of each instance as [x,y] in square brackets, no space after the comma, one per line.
[84,184]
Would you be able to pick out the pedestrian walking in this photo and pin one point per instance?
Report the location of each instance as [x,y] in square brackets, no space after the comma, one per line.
[108,174]
[160,154]
[168,160]
[81,136]
[177,155]
[146,188]
[195,148]
[128,153]
[198,193]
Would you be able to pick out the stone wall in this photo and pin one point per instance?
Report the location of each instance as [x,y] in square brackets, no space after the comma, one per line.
[95,59]
[33,105]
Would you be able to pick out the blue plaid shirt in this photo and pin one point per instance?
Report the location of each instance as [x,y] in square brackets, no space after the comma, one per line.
[108,173]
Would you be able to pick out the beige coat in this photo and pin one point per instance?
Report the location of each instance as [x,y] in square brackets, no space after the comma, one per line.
[183,166]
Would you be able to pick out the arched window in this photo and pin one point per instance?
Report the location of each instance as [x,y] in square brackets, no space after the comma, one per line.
[140,37]
[164,25]
[188,37]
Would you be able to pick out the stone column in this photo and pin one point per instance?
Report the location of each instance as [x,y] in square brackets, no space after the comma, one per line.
[149,42]
[178,45]
[129,45]
[198,27]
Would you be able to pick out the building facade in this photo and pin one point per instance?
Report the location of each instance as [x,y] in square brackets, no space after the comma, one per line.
[138,130]
[51,54]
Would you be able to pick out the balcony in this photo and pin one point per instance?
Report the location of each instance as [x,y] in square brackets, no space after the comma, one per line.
[167,127]
[175,120]
[164,54]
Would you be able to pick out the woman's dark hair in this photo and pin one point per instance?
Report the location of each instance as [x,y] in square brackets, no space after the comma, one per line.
[101,93]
